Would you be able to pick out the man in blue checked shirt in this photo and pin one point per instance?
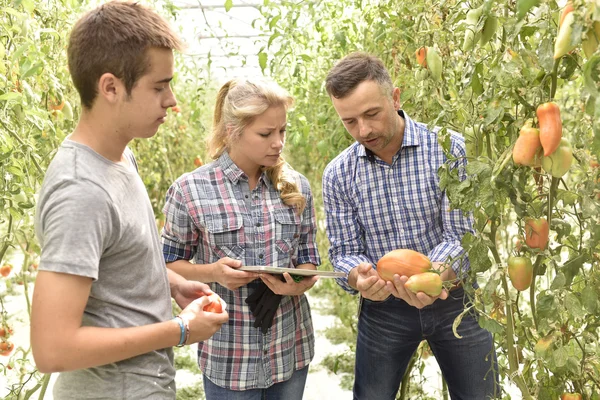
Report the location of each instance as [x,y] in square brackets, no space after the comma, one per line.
[381,194]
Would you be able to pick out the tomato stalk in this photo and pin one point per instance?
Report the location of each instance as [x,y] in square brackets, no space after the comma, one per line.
[513,365]
[554,78]
[6,244]
[24,278]
[551,197]
[18,139]
[536,267]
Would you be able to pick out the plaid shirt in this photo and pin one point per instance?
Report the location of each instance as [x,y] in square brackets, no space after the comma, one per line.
[210,214]
[373,207]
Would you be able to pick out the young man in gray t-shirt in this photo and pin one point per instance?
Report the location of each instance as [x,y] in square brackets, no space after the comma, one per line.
[101,312]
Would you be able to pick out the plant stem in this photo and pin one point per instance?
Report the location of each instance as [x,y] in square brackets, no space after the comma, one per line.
[554,78]
[536,266]
[45,382]
[513,368]
[551,197]
[406,377]
[6,244]
[444,389]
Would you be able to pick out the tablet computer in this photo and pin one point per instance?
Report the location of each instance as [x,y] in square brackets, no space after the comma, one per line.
[292,271]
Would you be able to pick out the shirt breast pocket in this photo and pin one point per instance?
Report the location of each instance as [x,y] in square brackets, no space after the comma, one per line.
[420,215]
[226,235]
[287,235]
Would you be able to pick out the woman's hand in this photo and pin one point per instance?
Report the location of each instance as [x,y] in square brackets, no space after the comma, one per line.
[289,287]
[226,273]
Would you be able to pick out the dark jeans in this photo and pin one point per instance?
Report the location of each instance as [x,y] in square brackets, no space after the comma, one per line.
[390,331]
[292,389]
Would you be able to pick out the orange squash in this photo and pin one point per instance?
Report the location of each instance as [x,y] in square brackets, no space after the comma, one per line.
[550,126]
[402,262]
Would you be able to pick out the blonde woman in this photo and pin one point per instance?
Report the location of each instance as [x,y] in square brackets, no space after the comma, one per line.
[248,207]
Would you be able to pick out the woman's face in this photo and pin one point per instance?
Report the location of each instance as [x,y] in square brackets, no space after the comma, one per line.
[261,143]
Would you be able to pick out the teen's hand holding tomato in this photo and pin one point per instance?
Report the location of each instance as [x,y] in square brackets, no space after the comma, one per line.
[205,315]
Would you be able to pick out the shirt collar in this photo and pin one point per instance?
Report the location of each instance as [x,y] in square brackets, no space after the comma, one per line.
[411,137]
[235,173]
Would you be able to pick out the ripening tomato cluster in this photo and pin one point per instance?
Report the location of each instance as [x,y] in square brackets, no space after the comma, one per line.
[6,347]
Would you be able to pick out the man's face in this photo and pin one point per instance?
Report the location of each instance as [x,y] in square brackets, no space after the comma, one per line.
[261,142]
[145,109]
[370,115]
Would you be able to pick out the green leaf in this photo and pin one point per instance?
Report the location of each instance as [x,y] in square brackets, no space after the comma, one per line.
[523,7]
[28,5]
[273,37]
[491,325]
[10,96]
[262,61]
[573,306]
[274,21]
[560,356]
[545,54]
[479,257]
[589,298]
[559,281]
[34,70]
[591,74]
[228,5]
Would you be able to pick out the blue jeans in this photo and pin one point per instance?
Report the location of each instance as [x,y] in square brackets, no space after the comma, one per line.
[292,389]
[390,331]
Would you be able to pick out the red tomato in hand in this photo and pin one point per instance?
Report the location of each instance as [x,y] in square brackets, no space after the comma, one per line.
[215,305]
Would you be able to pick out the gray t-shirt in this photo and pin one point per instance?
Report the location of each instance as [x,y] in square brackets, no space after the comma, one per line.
[94,219]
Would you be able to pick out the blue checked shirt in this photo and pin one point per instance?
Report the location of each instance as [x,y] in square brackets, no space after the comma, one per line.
[210,214]
[373,207]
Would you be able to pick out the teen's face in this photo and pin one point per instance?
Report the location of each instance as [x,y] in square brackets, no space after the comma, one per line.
[370,115]
[261,143]
[145,109]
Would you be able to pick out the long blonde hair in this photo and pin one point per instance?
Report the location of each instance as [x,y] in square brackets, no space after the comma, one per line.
[238,103]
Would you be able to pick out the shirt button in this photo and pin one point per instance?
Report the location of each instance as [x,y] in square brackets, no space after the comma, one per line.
[260,256]
[266,352]
[296,236]
[246,196]
[258,224]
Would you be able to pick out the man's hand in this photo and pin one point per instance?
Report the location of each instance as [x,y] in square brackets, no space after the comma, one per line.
[184,292]
[369,283]
[289,287]
[419,300]
[225,272]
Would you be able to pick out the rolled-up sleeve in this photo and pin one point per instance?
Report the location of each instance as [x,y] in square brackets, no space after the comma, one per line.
[179,238]
[455,223]
[307,245]
[345,235]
